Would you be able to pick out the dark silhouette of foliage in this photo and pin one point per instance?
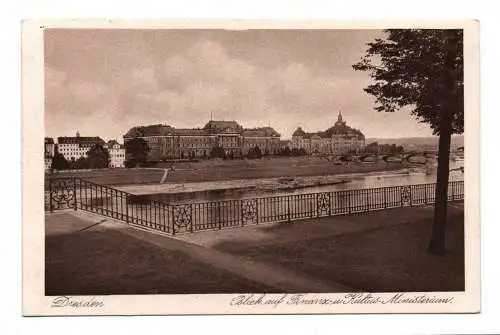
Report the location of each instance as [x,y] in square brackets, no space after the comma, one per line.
[285,152]
[81,163]
[97,157]
[299,152]
[254,153]
[59,162]
[217,152]
[136,152]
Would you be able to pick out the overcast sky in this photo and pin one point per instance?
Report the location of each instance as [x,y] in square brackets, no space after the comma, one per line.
[103,82]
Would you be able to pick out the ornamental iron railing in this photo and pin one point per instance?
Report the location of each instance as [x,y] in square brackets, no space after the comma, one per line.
[76,193]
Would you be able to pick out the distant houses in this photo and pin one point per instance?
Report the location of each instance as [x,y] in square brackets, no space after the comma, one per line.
[116,154]
[73,148]
[48,153]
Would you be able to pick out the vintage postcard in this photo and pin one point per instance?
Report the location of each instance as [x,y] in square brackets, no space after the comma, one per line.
[250,167]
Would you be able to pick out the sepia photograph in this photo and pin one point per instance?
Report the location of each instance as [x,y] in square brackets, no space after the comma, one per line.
[310,167]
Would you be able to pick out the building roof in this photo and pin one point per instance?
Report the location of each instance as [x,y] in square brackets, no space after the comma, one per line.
[190,132]
[112,143]
[342,129]
[222,124]
[80,140]
[229,127]
[260,132]
[212,127]
[151,130]
[299,132]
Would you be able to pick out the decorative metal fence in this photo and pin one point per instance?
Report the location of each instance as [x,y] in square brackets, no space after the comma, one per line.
[76,193]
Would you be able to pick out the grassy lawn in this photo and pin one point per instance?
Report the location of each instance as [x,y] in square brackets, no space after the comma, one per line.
[213,170]
[105,261]
[114,176]
[228,170]
[271,169]
[385,259]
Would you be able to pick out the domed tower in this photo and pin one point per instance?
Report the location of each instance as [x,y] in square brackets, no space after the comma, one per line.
[298,133]
[340,122]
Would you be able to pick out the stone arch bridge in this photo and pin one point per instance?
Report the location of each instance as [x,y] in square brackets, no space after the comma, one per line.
[417,157]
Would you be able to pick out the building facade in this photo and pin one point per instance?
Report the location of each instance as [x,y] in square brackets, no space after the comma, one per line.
[75,147]
[116,154]
[338,139]
[166,142]
[49,150]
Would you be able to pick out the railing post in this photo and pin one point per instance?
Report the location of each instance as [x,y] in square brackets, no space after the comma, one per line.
[349,201]
[401,195]
[74,194]
[329,203]
[191,219]
[425,193]
[317,205]
[218,215]
[241,213]
[452,191]
[288,207]
[173,221]
[411,188]
[50,196]
[367,199]
[385,198]
[256,211]
[126,208]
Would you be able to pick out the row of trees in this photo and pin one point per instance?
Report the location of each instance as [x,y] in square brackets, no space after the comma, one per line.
[136,152]
[97,158]
[256,153]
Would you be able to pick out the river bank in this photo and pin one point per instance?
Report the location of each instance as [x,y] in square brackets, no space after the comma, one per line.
[263,185]
[220,171]
[271,169]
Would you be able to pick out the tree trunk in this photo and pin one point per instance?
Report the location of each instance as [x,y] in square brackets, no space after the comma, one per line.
[438,238]
[449,103]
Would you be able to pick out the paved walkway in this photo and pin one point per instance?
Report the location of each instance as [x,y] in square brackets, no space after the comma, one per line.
[69,222]
[285,232]
[216,247]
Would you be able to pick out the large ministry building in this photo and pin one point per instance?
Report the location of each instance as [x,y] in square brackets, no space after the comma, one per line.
[167,142]
[338,139]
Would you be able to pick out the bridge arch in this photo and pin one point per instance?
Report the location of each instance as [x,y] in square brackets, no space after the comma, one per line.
[364,157]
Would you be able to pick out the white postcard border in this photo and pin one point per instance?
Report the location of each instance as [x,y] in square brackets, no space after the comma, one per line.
[34,301]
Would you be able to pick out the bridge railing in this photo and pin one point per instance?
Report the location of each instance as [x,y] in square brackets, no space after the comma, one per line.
[76,193]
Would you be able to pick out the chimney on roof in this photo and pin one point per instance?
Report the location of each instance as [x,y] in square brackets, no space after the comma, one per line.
[77,134]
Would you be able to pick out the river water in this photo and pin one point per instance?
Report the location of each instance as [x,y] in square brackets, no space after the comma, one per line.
[352,181]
